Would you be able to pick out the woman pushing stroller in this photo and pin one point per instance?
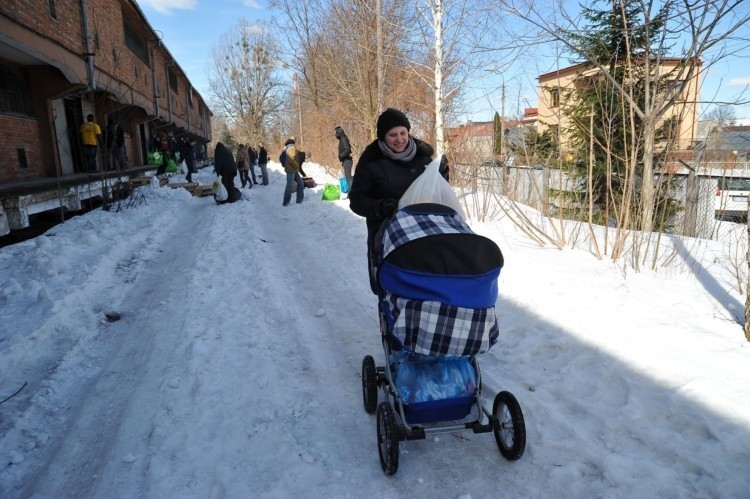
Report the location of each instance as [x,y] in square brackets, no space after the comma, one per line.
[385,170]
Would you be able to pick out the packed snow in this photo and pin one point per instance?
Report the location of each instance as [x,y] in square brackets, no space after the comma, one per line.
[234,369]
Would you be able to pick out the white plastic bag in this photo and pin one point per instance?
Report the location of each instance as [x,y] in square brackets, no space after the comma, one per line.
[220,192]
[431,187]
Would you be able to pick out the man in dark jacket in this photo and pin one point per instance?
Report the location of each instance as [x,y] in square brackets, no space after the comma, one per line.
[263,162]
[345,155]
[187,153]
[226,168]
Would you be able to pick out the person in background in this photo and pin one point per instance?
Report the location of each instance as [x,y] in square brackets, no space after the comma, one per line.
[110,132]
[345,155]
[187,153]
[301,157]
[386,169]
[162,144]
[243,166]
[252,158]
[291,167]
[91,135]
[226,168]
[119,152]
[263,162]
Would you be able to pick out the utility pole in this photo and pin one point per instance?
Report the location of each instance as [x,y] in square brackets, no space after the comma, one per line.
[299,107]
[379,57]
[502,122]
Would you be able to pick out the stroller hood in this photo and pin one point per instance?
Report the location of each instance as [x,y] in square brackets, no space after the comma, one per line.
[430,253]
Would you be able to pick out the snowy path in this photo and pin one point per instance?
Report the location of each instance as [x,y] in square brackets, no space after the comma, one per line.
[235,369]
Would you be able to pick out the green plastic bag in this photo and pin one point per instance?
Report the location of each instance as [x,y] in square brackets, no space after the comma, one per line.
[331,192]
[154,158]
[171,166]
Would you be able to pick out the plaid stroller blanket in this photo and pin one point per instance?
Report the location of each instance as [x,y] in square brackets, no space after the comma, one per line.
[439,282]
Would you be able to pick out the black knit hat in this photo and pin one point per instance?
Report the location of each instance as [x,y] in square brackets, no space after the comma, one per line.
[391,118]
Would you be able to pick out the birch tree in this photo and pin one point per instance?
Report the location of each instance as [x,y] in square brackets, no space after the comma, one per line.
[450,44]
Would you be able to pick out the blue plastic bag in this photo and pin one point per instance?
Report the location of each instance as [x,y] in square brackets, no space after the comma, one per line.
[344,185]
[421,378]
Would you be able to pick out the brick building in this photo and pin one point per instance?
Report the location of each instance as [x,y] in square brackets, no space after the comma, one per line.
[61,60]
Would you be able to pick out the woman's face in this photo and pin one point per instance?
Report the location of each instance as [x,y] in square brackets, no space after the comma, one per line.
[397,138]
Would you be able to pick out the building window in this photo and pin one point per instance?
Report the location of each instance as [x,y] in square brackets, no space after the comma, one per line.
[14,91]
[677,87]
[52,9]
[190,96]
[670,130]
[172,77]
[22,163]
[135,42]
[554,97]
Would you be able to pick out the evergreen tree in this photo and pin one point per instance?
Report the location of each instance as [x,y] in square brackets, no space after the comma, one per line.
[617,40]
[497,136]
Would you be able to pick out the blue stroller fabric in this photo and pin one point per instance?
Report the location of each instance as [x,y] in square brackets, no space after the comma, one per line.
[439,282]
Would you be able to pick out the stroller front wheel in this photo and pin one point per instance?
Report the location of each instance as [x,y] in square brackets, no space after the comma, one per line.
[510,432]
[387,439]
[369,384]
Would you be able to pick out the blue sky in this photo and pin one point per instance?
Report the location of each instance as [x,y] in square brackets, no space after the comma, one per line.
[191,28]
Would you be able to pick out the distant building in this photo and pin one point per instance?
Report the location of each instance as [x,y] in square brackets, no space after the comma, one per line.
[683,116]
[60,61]
[474,142]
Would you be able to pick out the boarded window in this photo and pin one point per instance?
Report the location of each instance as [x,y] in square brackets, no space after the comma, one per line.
[172,76]
[14,91]
[135,42]
[22,163]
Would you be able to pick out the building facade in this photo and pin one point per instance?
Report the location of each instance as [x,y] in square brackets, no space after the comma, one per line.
[682,116]
[61,60]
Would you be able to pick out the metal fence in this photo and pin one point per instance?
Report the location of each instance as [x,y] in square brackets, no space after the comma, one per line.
[694,194]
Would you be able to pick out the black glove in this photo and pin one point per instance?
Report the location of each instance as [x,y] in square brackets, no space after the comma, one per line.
[444,168]
[388,207]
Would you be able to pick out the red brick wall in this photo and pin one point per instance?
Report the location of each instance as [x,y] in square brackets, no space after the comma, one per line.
[19,133]
[34,14]
[118,71]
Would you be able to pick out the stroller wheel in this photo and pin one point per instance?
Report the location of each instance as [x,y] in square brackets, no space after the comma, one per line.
[387,439]
[369,384]
[510,432]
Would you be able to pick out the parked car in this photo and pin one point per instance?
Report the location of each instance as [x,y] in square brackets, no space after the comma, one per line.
[732,197]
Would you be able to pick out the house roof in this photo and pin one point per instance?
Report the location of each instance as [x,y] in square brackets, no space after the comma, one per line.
[586,65]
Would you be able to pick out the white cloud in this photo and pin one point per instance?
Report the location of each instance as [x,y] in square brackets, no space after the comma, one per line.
[251,3]
[166,6]
[739,82]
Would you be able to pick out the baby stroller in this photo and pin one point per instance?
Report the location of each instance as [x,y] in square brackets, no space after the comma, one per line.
[437,287]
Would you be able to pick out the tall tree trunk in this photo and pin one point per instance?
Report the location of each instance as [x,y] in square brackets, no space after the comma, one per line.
[379,55]
[439,104]
[647,182]
[747,284]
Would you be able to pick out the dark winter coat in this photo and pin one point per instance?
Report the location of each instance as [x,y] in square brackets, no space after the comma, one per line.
[224,163]
[187,153]
[345,148]
[262,155]
[379,182]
